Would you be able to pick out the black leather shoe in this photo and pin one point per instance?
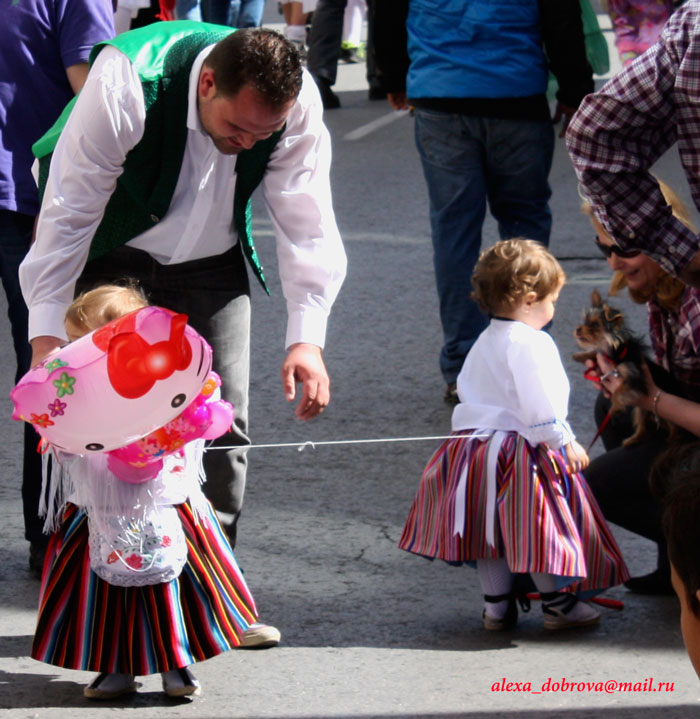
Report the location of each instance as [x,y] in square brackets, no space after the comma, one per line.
[329,98]
[376,93]
[657,582]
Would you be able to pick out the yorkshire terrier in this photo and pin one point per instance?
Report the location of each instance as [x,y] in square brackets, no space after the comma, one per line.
[604,330]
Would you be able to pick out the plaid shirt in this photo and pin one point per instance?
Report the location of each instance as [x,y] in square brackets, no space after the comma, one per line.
[621,130]
[675,337]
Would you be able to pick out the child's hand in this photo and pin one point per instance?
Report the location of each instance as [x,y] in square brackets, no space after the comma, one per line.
[576,457]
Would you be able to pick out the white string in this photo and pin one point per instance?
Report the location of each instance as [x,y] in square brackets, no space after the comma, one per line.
[303,445]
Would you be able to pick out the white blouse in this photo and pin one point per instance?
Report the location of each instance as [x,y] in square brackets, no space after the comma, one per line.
[513,380]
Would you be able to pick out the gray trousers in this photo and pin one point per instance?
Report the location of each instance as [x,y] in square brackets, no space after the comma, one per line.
[215,295]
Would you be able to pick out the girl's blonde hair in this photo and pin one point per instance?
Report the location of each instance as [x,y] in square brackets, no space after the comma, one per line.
[668,289]
[97,307]
[512,269]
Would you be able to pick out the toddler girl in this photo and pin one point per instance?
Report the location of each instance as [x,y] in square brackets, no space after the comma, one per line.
[99,613]
[505,489]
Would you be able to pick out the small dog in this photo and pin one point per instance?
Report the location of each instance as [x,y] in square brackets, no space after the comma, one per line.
[604,330]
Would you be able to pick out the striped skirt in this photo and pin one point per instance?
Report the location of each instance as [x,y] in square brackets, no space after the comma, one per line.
[85,623]
[546,520]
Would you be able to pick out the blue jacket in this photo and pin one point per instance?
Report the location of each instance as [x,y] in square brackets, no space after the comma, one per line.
[480,52]
[475,48]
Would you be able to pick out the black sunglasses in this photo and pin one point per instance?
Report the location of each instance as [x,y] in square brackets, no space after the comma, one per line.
[610,250]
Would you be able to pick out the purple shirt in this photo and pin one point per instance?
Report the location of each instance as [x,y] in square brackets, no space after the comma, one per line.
[38,40]
[621,130]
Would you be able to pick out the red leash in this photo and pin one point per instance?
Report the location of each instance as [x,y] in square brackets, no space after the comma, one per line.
[591,376]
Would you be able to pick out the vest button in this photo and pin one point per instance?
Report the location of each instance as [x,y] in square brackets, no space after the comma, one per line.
[155,218]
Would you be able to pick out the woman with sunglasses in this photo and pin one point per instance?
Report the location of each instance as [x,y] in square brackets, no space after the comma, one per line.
[620,477]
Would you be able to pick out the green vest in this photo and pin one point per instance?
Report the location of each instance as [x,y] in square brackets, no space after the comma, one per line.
[163,54]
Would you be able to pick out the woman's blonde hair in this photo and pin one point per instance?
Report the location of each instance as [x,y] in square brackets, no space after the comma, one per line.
[510,270]
[668,289]
[97,307]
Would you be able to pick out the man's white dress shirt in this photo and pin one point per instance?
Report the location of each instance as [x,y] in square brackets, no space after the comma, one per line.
[107,122]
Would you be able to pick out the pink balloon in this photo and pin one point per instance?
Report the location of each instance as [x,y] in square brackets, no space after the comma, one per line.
[131,474]
[221,416]
[204,417]
[117,384]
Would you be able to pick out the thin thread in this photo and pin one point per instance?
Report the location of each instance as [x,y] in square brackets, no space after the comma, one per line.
[303,445]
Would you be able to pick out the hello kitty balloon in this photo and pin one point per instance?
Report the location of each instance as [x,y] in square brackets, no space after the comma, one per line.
[116,384]
[206,417]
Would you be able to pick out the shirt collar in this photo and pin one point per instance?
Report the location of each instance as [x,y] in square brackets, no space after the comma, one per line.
[193,122]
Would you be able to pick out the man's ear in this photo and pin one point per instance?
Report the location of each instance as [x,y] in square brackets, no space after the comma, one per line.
[207,86]
[697,594]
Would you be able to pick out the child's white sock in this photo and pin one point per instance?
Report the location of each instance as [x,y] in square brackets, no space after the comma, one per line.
[496,580]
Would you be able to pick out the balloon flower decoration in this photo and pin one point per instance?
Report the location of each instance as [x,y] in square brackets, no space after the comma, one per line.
[139,389]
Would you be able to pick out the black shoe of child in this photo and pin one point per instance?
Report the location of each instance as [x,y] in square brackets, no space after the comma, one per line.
[510,618]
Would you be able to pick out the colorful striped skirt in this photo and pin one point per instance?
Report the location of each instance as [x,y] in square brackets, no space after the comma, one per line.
[85,623]
[546,520]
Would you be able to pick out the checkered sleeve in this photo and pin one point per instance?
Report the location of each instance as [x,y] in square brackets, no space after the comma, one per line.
[690,318]
[621,130]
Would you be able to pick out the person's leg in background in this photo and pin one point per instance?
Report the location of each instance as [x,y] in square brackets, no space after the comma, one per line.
[220,12]
[351,49]
[295,28]
[324,48]
[519,158]
[250,13]
[376,91]
[15,237]
[451,151]
[188,10]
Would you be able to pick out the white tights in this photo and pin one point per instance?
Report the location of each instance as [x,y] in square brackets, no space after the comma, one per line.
[496,579]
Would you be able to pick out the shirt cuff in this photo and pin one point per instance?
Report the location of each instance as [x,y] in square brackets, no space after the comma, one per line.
[555,434]
[306,325]
[47,320]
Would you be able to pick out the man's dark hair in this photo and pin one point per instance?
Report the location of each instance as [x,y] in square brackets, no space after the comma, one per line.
[258,57]
[679,492]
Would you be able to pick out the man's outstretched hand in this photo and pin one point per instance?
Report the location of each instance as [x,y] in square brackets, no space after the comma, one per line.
[304,363]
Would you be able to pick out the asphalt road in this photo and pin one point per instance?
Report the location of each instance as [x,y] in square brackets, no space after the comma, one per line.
[369,631]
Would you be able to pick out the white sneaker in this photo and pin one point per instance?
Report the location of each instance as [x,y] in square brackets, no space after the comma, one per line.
[110,686]
[180,683]
[260,636]
[566,612]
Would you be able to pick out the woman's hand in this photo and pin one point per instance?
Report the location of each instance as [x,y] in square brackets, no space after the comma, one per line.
[610,380]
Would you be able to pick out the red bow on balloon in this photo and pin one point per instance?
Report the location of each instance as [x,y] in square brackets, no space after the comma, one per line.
[134,366]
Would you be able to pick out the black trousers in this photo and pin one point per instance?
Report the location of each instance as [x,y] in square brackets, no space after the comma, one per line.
[620,479]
